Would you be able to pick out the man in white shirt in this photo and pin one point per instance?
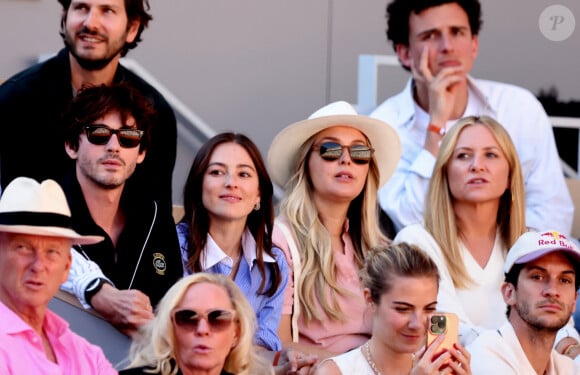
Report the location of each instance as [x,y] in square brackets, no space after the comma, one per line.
[540,290]
[438,43]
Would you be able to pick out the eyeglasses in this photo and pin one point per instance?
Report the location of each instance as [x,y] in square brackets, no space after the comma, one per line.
[100,134]
[218,319]
[360,154]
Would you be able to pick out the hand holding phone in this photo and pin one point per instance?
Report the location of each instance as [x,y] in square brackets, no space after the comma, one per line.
[443,323]
[443,349]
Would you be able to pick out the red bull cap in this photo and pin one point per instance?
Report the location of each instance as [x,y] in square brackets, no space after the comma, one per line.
[533,245]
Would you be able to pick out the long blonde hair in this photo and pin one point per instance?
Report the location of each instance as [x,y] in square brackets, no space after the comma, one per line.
[155,345]
[440,220]
[318,266]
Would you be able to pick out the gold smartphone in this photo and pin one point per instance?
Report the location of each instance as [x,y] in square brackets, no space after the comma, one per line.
[443,323]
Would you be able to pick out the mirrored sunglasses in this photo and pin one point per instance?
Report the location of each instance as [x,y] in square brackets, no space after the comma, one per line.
[100,134]
[218,319]
[360,154]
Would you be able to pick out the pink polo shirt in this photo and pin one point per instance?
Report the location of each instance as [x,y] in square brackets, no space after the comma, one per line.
[332,335]
[21,350]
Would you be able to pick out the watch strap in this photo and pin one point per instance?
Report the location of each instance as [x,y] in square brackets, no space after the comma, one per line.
[94,287]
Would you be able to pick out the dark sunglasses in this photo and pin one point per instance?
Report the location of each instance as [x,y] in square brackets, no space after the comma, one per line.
[218,319]
[360,154]
[100,134]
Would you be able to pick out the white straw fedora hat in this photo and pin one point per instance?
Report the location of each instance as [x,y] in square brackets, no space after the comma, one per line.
[29,207]
[383,138]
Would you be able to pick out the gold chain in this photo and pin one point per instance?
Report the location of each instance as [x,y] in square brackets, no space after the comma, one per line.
[367,355]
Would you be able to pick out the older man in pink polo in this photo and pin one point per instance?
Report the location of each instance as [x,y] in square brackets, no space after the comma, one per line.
[35,242]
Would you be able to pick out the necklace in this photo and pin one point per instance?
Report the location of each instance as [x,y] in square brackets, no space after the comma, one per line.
[367,355]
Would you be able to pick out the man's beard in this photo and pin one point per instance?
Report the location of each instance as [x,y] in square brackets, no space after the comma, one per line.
[90,64]
[539,324]
[105,182]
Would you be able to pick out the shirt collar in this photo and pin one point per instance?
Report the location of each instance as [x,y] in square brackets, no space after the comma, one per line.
[13,323]
[481,97]
[214,254]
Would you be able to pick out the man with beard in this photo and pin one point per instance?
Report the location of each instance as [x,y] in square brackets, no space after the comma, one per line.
[107,133]
[540,290]
[96,34]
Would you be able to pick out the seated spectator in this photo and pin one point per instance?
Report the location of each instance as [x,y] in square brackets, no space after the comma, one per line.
[203,325]
[331,166]
[474,213]
[227,226]
[400,286]
[95,37]
[540,290]
[35,241]
[437,41]
[122,277]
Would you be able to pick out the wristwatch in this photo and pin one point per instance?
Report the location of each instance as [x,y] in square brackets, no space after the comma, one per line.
[93,288]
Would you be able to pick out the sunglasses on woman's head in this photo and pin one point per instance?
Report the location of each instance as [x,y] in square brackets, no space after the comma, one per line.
[360,154]
[217,319]
[100,134]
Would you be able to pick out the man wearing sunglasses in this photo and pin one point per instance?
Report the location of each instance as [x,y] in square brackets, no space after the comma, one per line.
[107,133]
[96,35]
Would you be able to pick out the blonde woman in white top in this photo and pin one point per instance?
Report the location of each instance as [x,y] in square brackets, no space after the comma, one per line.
[474,212]
[400,286]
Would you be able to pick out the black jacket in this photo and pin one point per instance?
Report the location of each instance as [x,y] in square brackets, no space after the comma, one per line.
[148,247]
[32,141]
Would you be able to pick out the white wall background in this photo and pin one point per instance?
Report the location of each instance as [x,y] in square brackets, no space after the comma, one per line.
[255,66]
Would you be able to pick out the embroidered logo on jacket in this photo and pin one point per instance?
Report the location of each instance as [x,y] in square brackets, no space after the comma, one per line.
[159,263]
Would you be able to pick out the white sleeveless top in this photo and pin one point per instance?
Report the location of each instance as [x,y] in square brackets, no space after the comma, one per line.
[352,362]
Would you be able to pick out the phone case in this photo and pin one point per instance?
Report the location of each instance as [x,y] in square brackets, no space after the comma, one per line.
[440,323]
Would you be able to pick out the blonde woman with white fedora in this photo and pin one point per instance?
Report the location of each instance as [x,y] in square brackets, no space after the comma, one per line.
[331,165]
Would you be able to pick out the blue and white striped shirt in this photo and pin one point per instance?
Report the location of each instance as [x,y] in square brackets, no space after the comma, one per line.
[268,309]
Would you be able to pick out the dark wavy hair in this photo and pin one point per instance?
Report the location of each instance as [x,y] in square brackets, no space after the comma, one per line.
[93,102]
[137,10]
[399,12]
[259,222]
[514,273]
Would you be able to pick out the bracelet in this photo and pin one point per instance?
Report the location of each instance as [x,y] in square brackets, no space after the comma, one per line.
[435,129]
[566,348]
[276,358]
[569,348]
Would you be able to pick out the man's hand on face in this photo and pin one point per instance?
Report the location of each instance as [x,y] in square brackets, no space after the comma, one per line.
[441,90]
[441,87]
